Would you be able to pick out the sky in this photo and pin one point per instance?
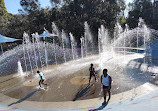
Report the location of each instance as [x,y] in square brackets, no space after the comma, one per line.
[13,5]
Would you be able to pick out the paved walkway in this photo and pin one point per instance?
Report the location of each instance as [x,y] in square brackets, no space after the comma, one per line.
[146,102]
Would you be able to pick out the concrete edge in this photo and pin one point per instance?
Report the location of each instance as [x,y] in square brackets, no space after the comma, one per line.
[131,94]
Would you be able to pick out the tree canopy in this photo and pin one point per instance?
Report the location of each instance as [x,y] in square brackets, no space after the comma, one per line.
[140,8]
[4,16]
[69,15]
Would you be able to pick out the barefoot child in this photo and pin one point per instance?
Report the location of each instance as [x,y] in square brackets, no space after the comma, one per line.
[42,78]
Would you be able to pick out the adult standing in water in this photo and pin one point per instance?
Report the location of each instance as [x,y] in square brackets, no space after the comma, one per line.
[42,78]
[92,73]
[106,82]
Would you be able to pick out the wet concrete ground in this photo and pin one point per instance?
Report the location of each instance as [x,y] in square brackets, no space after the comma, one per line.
[72,86]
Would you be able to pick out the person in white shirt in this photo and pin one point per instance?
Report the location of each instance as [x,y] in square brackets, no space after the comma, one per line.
[42,78]
[106,82]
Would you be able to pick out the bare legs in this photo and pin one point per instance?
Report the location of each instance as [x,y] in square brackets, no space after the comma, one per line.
[91,77]
[41,82]
[105,91]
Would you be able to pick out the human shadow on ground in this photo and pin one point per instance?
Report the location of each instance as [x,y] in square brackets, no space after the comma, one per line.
[82,92]
[100,107]
[25,98]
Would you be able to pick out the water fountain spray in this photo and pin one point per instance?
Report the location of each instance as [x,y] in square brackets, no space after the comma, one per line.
[88,38]
[82,46]
[34,49]
[72,45]
[63,36]
[55,55]
[28,44]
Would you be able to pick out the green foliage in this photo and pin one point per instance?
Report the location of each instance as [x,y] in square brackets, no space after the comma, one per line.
[96,12]
[30,6]
[17,25]
[122,21]
[69,15]
[2,8]
[4,17]
[140,8]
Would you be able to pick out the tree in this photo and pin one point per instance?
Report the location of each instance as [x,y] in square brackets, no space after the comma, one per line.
[29,6]
[140,8]
[19,23]
[74,13]
[4,17]
[59,3]
[36,17]
[3,10]
[69,15]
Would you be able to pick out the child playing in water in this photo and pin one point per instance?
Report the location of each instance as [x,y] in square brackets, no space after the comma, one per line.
[42,78]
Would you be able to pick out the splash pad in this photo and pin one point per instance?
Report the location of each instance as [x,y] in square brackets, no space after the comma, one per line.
[63,66]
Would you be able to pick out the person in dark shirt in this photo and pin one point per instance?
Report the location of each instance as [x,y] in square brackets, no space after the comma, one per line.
[92,73]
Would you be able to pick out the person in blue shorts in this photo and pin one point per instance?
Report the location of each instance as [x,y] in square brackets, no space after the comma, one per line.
[42,78]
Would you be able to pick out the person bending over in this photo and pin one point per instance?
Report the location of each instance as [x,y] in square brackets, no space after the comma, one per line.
[41,78]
